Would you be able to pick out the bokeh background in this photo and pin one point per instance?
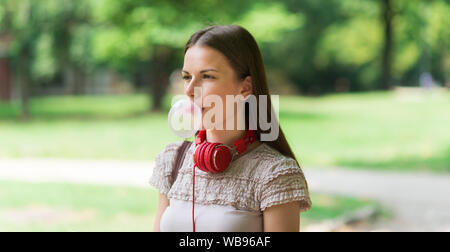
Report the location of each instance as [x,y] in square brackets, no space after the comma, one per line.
[85,88]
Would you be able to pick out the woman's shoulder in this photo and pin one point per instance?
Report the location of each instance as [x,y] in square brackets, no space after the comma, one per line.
[280,179]
[169,151]
[170,148]
[165,158]
[269,163]
[161,177]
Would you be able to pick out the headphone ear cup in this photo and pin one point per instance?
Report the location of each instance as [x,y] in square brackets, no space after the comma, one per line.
[212,157]
[208,157]
[202,157]
[199,157]
[222,158]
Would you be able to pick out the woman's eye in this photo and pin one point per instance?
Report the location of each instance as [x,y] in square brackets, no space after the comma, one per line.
[204,76]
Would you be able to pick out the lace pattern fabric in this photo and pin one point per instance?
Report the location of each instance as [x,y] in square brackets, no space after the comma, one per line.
[259,179]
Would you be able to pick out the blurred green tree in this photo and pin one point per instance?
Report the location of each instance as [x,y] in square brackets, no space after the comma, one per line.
[20,21]
[386,62]
[320,46]
[42,35]
[144,39]
[141,39]
[357,45]
[422,41]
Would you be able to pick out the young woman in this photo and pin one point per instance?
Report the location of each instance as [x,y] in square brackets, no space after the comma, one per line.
[263,188]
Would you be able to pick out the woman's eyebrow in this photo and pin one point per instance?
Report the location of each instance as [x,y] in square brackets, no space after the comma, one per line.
[204,70]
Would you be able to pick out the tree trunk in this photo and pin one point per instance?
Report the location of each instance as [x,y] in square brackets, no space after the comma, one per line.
[80,81]
[24,97]
[159,88]
[159,76]
[23,81]
[5,79]
[73,79]
[386,81]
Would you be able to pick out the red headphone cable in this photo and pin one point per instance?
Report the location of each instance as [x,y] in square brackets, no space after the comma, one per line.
[240,146]
[193,199]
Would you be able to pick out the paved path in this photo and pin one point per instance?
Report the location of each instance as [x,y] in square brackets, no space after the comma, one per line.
[419,201]
[129,173]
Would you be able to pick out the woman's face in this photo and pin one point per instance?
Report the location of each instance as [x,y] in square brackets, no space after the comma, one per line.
[208,69]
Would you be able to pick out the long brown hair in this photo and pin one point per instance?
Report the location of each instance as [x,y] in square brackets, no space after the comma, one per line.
[244,56]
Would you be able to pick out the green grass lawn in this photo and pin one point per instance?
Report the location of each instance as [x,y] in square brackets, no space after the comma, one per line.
[370,130]
[45,207]
[375,130]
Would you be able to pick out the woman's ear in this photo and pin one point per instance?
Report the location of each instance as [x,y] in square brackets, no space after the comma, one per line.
[247,87]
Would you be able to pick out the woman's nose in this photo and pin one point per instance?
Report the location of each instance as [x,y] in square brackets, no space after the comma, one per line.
[189,88]
[194,92]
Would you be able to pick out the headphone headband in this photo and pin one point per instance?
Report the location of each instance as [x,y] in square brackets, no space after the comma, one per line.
[239,145]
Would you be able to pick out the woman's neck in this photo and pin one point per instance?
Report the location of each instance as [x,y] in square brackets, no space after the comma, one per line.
[227,137]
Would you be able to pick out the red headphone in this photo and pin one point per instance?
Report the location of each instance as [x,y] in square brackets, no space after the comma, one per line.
[216,157]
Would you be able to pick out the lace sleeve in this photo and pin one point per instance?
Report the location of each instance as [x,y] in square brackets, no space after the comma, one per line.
[285,183]
[161,177]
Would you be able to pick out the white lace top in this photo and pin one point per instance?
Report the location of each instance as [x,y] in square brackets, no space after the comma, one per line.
[259,179]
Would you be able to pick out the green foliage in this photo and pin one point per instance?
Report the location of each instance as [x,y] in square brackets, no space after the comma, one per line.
[124,39]
[44,65]
[320,45]
[268,23]
[356,42]
[341,41]
[46,30]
